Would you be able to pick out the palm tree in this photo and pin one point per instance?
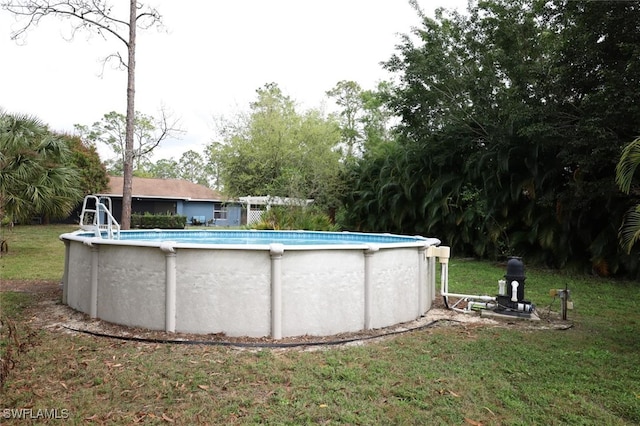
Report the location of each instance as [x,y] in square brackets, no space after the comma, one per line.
[629,232]
[36,173]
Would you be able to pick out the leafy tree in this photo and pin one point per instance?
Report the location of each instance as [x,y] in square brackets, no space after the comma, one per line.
[163,169]
[377,117]
[37,175]
[597,68]
[191,167]
[85,158]
[513,117]
[277,151]
[99,17]
[348,96]
[213,155]
[148,133]
[363,117]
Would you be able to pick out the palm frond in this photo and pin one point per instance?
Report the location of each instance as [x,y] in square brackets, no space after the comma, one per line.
[627,165]
[629,232]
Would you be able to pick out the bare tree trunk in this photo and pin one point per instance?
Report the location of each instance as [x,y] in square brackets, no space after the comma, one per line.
[128,155]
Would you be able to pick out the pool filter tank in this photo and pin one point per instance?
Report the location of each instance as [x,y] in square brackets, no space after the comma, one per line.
[515,279]
[511,289]
[510,301]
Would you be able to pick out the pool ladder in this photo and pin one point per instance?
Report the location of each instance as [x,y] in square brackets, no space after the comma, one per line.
[99,219]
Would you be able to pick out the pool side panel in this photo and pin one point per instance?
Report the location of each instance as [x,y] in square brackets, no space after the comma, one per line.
[79,277]
[322,292]
[222,291]
[395,287]
[131,286]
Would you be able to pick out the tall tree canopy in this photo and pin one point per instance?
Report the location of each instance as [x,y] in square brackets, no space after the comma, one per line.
[348,96]
[363,118]
[93,174]
[513,118]
[275,150]
[37,173]
[148,134]
[192,168]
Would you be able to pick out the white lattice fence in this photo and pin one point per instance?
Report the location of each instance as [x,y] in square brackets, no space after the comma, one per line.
[253,216]
[257,205]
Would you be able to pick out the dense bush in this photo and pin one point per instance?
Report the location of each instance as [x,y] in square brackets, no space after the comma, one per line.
[513,118]
[158,221]
[293,217]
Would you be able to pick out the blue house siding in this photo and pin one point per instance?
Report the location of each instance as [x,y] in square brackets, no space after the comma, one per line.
[234,213]
[198,209]
[203,211]
[180,208]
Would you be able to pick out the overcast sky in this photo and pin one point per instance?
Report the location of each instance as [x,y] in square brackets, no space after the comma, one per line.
[208,61]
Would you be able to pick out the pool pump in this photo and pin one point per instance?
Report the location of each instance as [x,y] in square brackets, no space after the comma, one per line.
[511,290]
[510,300]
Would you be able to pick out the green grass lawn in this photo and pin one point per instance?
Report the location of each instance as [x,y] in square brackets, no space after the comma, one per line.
[35,252]
[588,374]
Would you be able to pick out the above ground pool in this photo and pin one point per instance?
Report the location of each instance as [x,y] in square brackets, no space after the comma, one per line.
[250,283]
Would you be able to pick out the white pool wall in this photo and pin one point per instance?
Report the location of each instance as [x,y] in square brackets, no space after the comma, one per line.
[252,290]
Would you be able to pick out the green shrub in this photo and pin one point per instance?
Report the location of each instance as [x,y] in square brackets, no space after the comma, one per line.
[158,221]
[294,217]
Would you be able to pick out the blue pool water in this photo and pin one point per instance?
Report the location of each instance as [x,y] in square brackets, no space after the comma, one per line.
[266,237]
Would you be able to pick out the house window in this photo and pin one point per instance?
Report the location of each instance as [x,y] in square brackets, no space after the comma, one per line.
[220,212]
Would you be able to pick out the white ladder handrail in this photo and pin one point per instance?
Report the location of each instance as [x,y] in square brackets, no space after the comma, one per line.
[111,225]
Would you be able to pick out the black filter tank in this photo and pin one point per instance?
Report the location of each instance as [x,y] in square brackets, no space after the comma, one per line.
[515,272]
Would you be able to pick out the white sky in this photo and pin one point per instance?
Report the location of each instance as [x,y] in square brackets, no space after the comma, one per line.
[209,62]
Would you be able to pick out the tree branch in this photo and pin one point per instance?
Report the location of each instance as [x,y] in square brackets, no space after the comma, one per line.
[94,15]
[168,128]
[89,14]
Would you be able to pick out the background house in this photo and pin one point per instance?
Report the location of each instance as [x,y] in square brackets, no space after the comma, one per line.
[175,196]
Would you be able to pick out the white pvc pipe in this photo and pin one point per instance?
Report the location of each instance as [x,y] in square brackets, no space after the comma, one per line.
[423,285]
[433,272]
[471,296]
[444,278]
[514,291]
[443,256]
[170,286]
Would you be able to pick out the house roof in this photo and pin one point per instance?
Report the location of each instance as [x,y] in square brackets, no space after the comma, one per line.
[162,188]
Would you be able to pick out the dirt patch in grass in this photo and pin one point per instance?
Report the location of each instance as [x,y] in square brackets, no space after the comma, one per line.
[30,286]
[48,313]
